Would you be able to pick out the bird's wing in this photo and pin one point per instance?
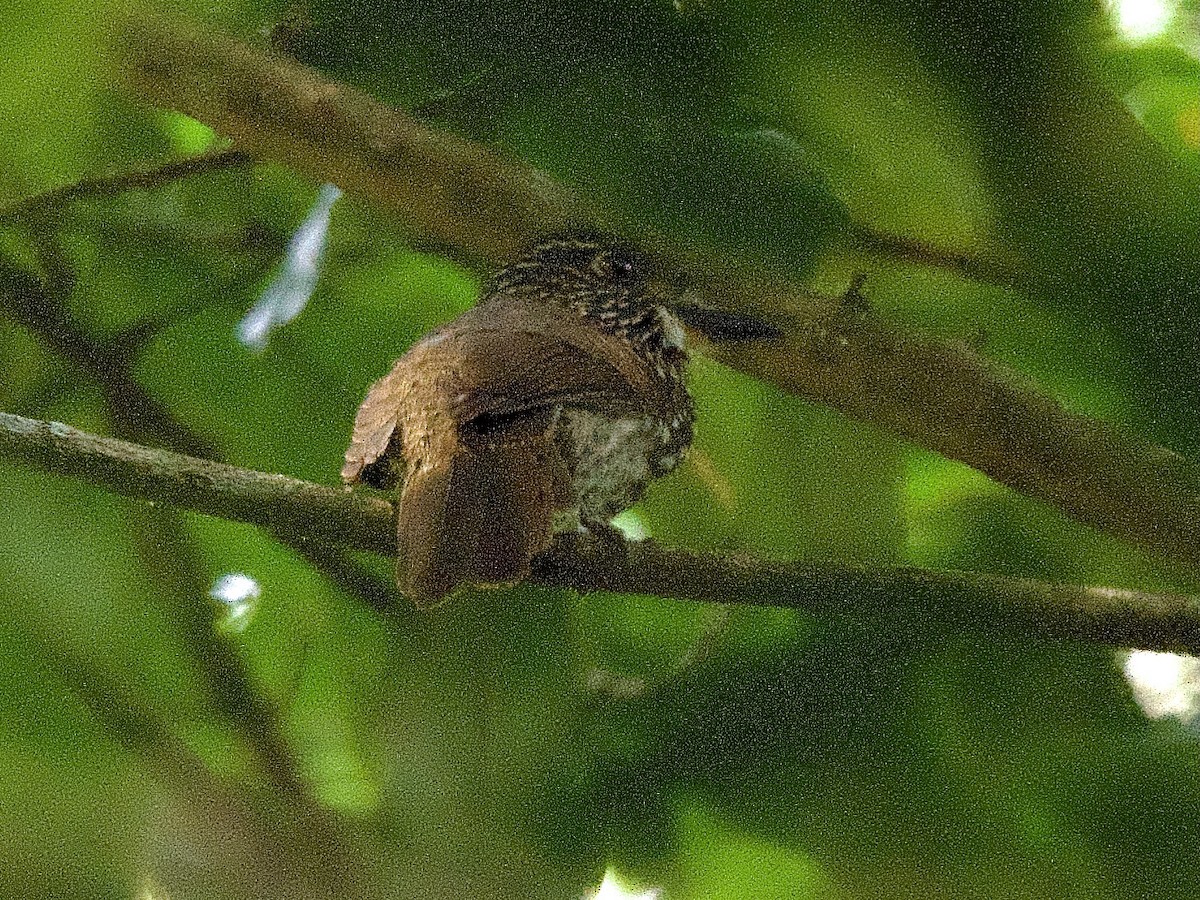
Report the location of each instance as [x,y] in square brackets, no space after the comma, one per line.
[539,361]
[493,366]
[375,426]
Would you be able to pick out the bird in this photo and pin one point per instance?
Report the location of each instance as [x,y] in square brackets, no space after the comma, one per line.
[547,408]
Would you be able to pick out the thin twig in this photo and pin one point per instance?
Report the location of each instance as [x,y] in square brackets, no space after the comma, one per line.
[139,415]
[118,183]
[325,515]
[455,193]
[988,269]
[143,418]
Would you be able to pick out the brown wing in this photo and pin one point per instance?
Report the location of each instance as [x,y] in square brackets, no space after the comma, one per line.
[375,425]
[497,362]
[526,359]
[476,399]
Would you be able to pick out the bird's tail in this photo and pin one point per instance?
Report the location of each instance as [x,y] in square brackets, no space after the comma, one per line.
[477,515]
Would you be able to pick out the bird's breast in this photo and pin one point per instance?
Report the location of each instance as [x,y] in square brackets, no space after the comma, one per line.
[611,460]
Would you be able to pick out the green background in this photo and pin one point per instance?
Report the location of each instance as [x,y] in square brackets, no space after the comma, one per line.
[517,744]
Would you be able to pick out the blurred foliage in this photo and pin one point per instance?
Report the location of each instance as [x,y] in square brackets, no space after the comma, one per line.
[516,744]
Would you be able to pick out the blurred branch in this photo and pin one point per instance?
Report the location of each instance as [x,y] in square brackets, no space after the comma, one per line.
[906,249]
[464,196]
[911,597]
[109,185]
[170,553]
[452,191]
[287,833]
[139,415]
[24,298]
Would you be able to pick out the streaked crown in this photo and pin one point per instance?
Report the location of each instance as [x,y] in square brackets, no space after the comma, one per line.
[605,280]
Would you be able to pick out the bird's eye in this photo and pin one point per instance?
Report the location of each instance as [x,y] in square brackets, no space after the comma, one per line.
[617,263]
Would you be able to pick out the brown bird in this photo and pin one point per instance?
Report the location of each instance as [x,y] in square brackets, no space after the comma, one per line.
[548,407]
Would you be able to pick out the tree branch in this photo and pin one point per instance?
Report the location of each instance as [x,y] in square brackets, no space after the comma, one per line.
[138,414]
[110,185]
[453,191]
[994,269]
[946,398]
[463,195]
[325,516]
[301,508]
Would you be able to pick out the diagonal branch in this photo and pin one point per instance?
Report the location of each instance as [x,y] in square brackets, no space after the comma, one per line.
[468,198]
[142,417]
[326,516]
[51,201]
[994,270]
[138,414]
[26,300]
[453,191]
[948,399]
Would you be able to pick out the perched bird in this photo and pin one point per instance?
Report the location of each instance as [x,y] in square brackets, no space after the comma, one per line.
[548,407]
